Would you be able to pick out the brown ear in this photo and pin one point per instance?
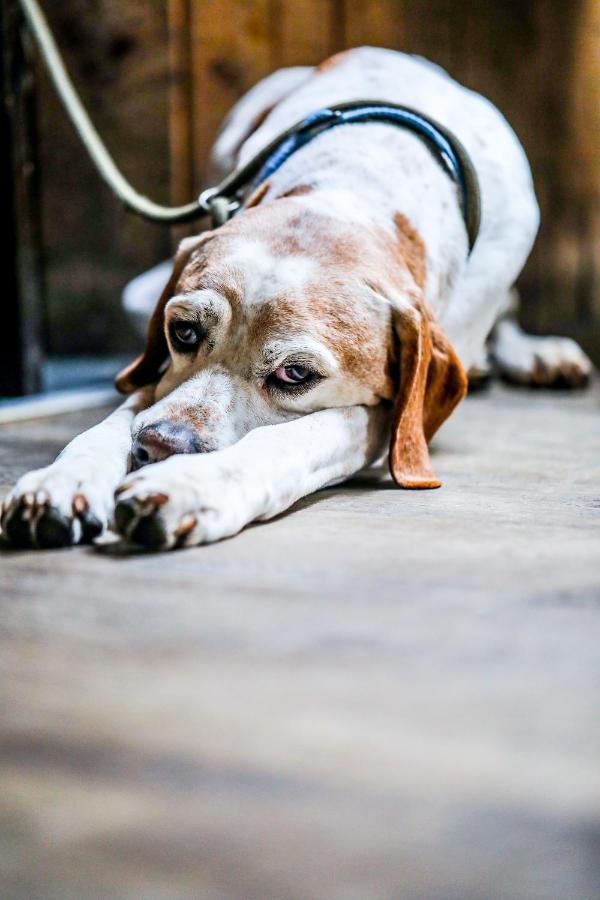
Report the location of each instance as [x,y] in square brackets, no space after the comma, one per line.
[145,369]
[432,382]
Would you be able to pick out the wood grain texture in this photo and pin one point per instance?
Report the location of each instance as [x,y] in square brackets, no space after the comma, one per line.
[117,55]
[21,337]
[306,32]
[382,694]
[230,51]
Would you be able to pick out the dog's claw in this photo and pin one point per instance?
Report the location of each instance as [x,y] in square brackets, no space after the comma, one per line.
[80,505]
[187,524]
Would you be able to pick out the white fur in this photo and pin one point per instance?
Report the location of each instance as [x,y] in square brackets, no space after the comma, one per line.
[215,495]
[264,275]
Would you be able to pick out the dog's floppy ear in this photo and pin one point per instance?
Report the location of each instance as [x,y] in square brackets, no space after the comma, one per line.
[145,369]
[431,383]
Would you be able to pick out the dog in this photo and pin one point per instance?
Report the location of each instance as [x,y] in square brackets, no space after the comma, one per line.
[335,314]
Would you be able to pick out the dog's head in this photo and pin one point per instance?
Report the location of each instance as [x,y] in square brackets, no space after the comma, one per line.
[282,312]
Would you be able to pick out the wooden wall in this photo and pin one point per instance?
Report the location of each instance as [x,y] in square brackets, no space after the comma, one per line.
[117,54]
[160,76]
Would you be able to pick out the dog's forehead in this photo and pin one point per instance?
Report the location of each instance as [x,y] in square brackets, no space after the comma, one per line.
[282,249]
[251,294]
[263,273]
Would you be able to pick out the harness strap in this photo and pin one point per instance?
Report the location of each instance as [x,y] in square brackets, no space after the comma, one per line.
[443,144]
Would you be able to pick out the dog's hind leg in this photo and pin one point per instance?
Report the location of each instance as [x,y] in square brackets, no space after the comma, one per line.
[530,360]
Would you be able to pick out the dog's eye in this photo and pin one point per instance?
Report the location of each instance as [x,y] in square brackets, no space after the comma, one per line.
[293,379]
[291,374]
[184,335]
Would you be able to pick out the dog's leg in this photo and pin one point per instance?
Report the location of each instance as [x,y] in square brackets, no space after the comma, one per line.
[72,500]
[480,372]
[536,361]
[200,498]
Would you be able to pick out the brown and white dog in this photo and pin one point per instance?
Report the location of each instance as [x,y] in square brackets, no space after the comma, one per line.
[339,306]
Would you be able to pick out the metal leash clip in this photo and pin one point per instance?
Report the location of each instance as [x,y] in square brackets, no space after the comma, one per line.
[218,207]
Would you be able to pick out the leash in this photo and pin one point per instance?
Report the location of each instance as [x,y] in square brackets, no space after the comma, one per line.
[225,199]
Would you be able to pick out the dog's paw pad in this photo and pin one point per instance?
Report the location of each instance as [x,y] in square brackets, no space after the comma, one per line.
[16,525]
[53,529]
[138,519]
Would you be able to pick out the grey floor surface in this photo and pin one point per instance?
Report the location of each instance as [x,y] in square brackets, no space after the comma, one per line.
[382,694]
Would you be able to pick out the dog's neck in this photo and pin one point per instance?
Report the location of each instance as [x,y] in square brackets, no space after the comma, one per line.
[376,175]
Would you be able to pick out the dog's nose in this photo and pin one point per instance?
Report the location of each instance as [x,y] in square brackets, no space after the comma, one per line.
[163,439]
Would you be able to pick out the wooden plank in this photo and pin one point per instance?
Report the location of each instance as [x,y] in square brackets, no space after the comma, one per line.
[306,32]
[230,51]
[379,23]
[117,55]
[180,102]
[21,334]
[583,112]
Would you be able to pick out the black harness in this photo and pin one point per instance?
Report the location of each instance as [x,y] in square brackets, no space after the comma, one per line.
[224,200]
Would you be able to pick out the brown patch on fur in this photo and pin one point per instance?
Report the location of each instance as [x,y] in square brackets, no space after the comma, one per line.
[432,382]
[331,62]
[196,416]
[257,195]
[299,191]
[354,334]
[278,317]
[410,249]
[335,308]
[447,382]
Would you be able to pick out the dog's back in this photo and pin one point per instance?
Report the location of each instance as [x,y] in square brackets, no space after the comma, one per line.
[508,199]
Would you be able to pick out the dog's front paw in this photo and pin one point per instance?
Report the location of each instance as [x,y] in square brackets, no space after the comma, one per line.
[51,507]
[183,501]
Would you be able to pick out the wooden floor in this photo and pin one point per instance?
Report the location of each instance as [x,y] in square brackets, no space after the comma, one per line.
[380,695]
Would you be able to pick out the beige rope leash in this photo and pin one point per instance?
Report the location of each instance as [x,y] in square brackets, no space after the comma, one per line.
[107,169]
